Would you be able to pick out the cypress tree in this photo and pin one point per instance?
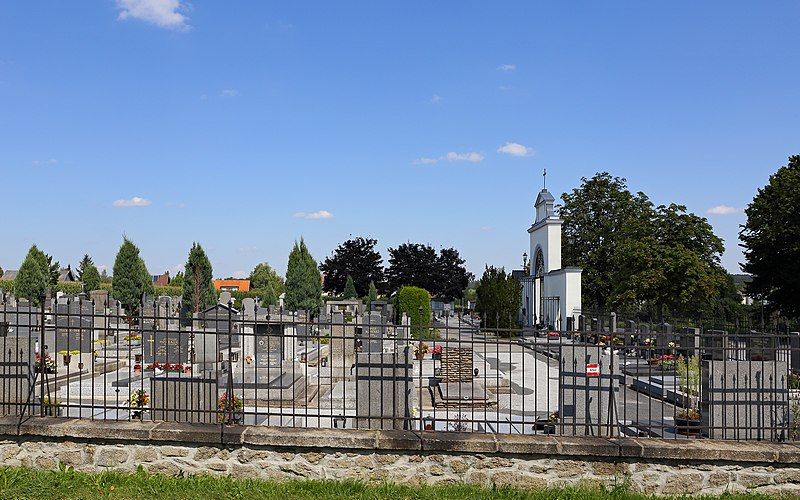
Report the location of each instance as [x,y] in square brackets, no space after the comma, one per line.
[269,298]
[33,277]
[303,281]
[91,278]
[131,279]
[372,296]
[350,288]
[198,291]
[84,264]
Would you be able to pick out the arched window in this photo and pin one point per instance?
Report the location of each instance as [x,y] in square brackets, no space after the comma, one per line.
[538,266]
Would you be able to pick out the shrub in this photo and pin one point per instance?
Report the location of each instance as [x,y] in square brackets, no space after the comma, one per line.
[498,301]
[416,303]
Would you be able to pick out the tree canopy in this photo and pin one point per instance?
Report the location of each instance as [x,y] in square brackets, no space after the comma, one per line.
[636,256]
[85,262]
[198,290]
[33,276]
[269,297]
[770,239]
[358,259]
[350,289]
[415,264]
[498,298]
[131,278]
[303,282]
[90,278]
[264,274]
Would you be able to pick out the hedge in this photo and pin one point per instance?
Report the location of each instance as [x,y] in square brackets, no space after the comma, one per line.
[416,303]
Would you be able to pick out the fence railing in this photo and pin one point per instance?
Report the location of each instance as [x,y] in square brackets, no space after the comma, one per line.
[353,366]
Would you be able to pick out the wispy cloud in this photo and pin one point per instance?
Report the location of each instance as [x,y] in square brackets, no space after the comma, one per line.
[436,99]
[319,214]
[136,201]
[44,163]
[229,93]
[507,67]
[247,249]
[162,13]
[722,210]
[515,149]
[486,229]
[425,161]
[471,156]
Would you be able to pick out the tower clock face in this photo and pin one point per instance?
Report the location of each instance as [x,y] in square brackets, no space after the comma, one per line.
[538,267]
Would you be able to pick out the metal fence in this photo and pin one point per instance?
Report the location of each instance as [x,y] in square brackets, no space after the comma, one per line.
[355,366]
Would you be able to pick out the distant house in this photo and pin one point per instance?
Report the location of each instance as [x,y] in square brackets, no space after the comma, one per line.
[66,274]
[161,279]
[9,275]
[232,285]
[741,281]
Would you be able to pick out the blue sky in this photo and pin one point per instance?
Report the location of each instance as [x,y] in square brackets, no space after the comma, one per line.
[246,125]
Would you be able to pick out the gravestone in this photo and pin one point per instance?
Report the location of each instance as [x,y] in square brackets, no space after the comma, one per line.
[457,364]
[269,346]
[762,347]
[745,400]
[100,299]
[794,351]
[17,361]
[588,384]
[225,297]
[715,345]
[373,331]
[342,344]
[165,346]
[224,321]
[184,399]
[689,342]
[384,390]
[74,328]
[22,320]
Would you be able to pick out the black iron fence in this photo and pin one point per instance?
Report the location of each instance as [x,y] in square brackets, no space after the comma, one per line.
[355,366]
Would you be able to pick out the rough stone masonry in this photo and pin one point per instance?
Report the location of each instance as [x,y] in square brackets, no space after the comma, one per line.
[646,465]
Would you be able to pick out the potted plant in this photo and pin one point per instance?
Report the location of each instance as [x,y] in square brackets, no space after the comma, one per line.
[420,350]
[138,402]
[687,420]
[67,355]
[52,406]
[437,352]
[45,364]
[231,409]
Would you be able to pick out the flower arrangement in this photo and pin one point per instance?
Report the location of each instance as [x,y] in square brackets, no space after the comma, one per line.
[649,342]
[229,408]
[48,364]
[138,402]
[132,338]
[671,345]
[248,359]
[52,406]
[64,352]
[170,367]
[689,414]
[420,350]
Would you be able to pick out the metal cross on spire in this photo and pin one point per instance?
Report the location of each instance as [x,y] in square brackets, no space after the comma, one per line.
[544,179]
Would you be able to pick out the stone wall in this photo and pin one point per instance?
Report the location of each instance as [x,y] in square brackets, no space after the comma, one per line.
[646,465]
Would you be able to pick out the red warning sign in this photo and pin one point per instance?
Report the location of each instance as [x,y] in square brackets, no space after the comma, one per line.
[592,370]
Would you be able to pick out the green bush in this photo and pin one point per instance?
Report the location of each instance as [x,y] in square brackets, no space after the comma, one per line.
[416,303]
[69,287]
[7,286]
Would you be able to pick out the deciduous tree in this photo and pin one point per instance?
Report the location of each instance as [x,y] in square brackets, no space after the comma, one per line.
[357,258]
[264,274]
[770,239]
[198,291]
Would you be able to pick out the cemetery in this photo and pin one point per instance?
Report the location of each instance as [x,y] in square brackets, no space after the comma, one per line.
[364,364]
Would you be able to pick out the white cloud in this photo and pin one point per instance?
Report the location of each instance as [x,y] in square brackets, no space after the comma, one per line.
[247,249]
[132,202]
[425,161]
[436,99]
[487,229]
[42,163]
[162,13]
[722,210]
[240,275]
[229,93]
[319,214]
[472,156]
[507,67]
[515,149]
